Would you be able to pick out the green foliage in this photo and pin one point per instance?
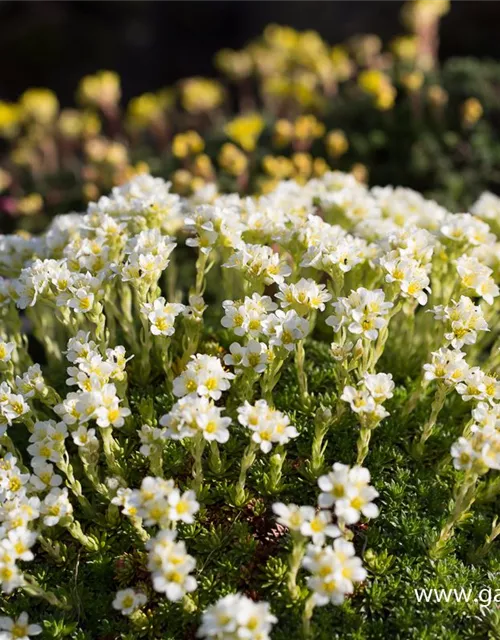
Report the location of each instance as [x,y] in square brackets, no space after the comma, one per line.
[242,549]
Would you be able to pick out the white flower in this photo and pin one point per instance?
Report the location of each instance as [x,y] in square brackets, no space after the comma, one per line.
[254,355]
[162,315]
[150,437]
[203,375]
[193,414]
[379,385]
[290,515]
[247,318]
[463,454]
[317,525]
[362,312]
[13,407]
[408,275]
[128,601]
[259,264]
[236,616]
[182,506]
[19,542]
[285,329]
[11,576]
[303,296]
[56,506]
[477,276]
[359,399]
[18,628]
[473,386]
[487,206]
[6,350]
[43,476]
[170,566]
[82,300]
[349,490]
[447,365]
[268,426]
[84,437]
[463,320]
[334,570]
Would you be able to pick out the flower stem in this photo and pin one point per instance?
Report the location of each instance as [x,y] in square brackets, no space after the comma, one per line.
[363,444]
[306,617]
[110,447]
[246,462]
[294,562]
[214,459]
[300,356]
[32,588]
[199,447]
[463,502]
[437,405]
[76,531]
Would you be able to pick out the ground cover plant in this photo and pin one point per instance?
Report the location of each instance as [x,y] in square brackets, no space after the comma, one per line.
[286,106]
[251,417]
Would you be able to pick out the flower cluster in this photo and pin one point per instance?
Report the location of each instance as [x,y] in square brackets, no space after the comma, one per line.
[236,616]
[187,387]
[334,567]
[303,82]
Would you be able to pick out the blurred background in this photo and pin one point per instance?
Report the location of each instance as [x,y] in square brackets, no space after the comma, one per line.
[152,44]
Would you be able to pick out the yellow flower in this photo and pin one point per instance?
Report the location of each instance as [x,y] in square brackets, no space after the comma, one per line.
[187,144]
[405,47]
[91,124]
[320,167]
[372,80]
[267,185]
[40,105]
[237,65]
[385,99]
[437,95]
[232,159]
[202,166]
[10,115]
[245,130]
[201,94]
[310,46]
[70,123]
[304,88]
[278,167]
[472,111]
[336,143]
[413,81]
[181,180]
[341,62]
[308,127]
[277,87]
[281,37]
[30,204]
[117,154]
[23,154]
[422,12]
[100,90]
[197,183]
[365,47]
[268,62]
[303,164]
[377,84]
[144,110]
[283,132]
